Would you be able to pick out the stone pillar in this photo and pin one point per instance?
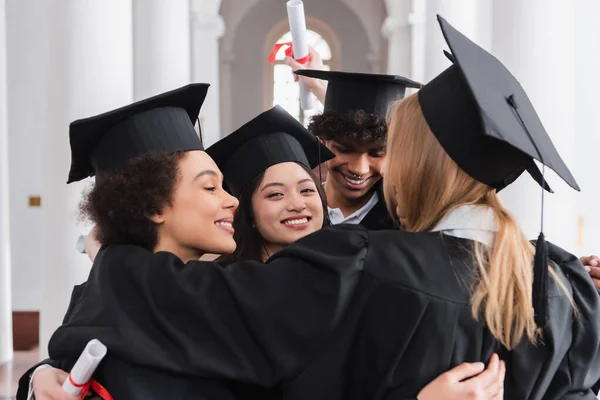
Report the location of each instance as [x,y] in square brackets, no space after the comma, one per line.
[535,40]
[471,17]
[6,344]
[161,46]
[396,28]
[88,71]
[587,86]
[207,29]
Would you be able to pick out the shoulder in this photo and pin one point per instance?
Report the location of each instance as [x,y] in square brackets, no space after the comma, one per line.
[334,238]
[575,279]
[570,270]
[429,263]
[338,247]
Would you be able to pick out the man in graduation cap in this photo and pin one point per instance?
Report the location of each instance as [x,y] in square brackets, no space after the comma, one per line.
[353,126]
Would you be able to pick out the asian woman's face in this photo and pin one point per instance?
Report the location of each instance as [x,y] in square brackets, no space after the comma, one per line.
[286,205]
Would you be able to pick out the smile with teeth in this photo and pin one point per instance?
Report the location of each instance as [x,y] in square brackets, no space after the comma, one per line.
[297,221]
[355,181]
[225,224]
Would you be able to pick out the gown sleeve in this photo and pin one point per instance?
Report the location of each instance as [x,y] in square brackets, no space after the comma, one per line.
[579,372]
[250,322]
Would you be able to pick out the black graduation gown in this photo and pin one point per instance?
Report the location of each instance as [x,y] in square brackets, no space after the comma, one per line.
[378,217]
[341,314]
[147,383]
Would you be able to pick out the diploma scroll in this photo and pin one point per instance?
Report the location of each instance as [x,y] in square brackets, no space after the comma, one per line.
[297,21]
[85,366]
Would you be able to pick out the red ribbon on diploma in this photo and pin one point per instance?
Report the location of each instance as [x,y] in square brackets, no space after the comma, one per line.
[289,52]
[95,386]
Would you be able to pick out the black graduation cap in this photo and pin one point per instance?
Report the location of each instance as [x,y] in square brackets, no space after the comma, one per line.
[371,93]
[478,104]
[271,138]
[484,120]
[159,124]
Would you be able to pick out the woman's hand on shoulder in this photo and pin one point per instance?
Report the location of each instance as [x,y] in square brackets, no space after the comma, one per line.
[592,266]
[468,381]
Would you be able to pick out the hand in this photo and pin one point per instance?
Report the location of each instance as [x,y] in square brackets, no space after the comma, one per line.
[468,382]
[317,86]
[592,265]
[47,385]
[92,245]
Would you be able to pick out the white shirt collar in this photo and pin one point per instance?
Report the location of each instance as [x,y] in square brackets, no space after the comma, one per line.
[337,217]
[470,222]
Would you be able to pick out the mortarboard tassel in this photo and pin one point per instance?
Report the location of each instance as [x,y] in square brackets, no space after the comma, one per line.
[540,281]
[540,260]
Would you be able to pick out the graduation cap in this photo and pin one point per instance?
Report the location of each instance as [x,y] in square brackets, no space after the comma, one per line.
[159,124]
[273,137]
[371,93]
[484,120]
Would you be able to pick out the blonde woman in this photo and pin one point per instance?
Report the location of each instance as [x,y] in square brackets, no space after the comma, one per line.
[347,313]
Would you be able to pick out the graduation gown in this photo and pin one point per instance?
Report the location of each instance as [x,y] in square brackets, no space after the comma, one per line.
[145,382]
[378,217]
[341,314]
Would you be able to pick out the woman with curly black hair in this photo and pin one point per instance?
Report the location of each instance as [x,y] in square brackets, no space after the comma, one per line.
[157,189]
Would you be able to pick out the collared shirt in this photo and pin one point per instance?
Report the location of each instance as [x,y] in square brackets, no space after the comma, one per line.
[470,222]
[337,217]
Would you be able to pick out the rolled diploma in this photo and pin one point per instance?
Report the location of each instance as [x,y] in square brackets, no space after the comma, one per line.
[295,11]
[85,366]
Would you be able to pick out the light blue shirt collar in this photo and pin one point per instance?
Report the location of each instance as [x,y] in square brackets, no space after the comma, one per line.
[337,217]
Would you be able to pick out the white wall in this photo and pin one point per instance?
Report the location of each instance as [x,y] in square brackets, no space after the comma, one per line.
[26,54]
[535,39]
[6,347]
[587,87]
[90,72]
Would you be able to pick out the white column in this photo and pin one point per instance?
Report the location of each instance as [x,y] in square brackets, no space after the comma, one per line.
[396,28]
[207,28]
[418,23]
[161,42]
[587,87]
[471,17]
[227,63]
[6,343]
[535,40]
[89,71]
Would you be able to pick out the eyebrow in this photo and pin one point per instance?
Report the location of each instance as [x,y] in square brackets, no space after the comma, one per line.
[281,184]
[206,172]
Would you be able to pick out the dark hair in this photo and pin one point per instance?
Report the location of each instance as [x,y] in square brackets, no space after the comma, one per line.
[120,202]
[352,128]
[249,242]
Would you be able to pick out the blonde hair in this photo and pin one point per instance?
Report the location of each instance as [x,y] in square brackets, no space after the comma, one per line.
[422,184]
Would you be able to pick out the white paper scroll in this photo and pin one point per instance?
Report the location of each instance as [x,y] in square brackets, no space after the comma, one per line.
[85,366]
[297,21]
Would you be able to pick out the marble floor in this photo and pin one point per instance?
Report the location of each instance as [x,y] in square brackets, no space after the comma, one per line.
[12,371]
